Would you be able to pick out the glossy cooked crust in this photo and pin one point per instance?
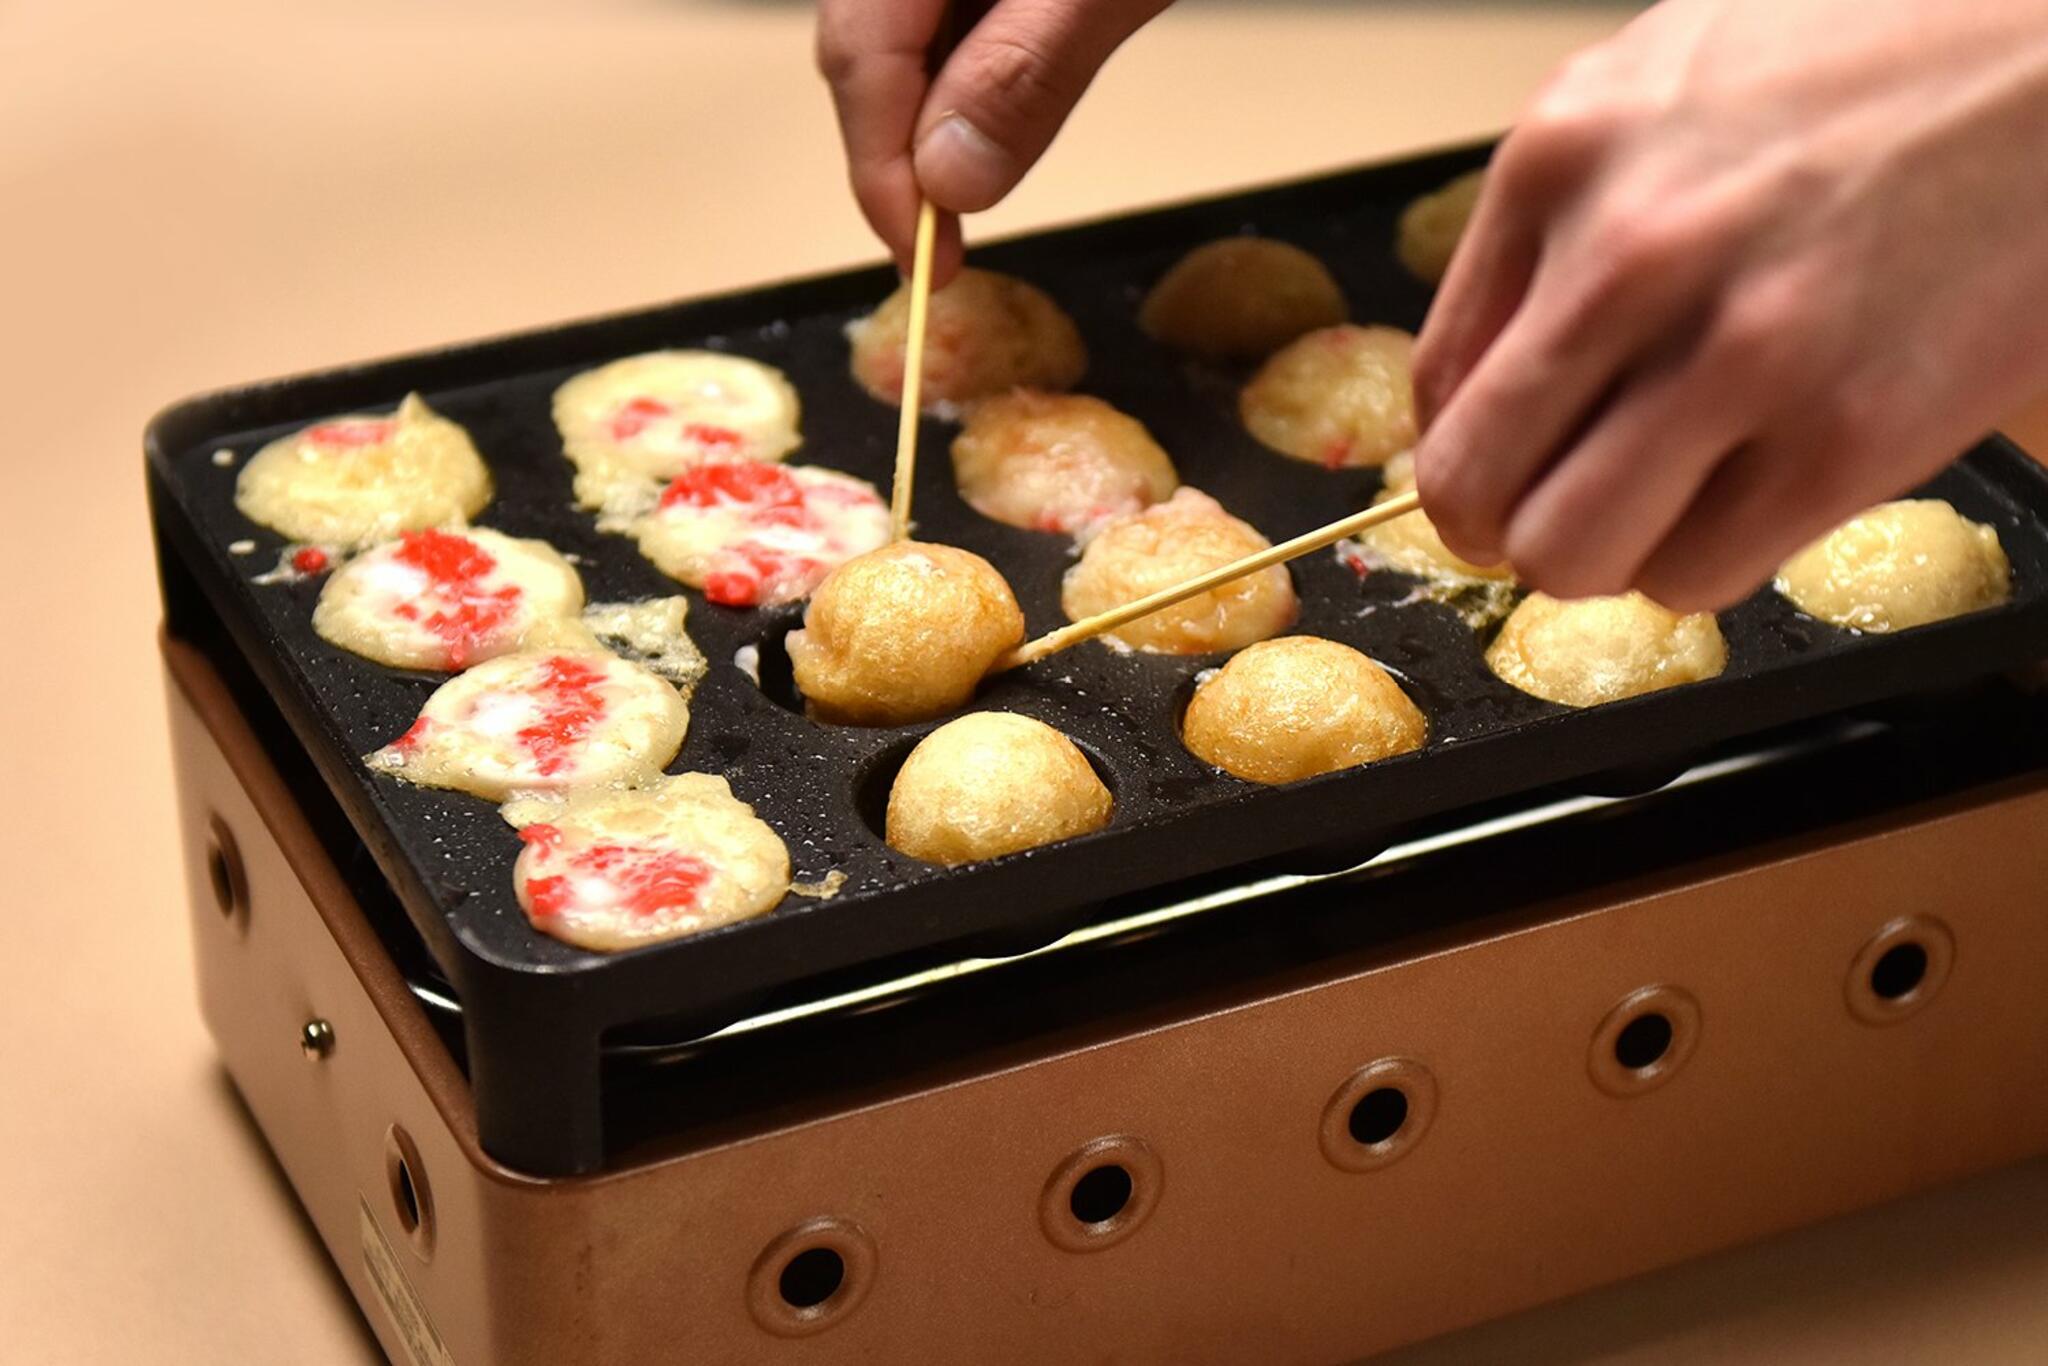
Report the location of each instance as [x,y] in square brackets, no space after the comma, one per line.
[1339,397]
[992,783]
[354,480]
[902,634]
[1241,296]
[615,869]
[985,334]
[770,535]
[1287,709]
[1058,462]
[1168,544]
[1897,566]
[1588,651]
[1411,545]
[632,425]
[540,721]
[1432,225]
[445,599]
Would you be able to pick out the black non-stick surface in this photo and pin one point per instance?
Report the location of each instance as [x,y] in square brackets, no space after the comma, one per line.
[449,856]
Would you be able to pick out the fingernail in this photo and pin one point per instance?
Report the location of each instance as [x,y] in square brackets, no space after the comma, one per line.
[961,167]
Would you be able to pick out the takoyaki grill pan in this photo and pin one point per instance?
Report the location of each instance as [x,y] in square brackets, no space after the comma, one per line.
[536,1011]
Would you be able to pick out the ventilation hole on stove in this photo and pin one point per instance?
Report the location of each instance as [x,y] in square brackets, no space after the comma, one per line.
[223,881]
[1644,1040]
[811,1277]
[408,1198]
[1900,969]
[412,1202]
[1101,1194]
[224,871]
[1378,1115]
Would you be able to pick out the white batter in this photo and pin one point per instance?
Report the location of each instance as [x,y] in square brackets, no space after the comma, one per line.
[614,870]
[446,599]
[1339,397]
[1587,651]
[353,480]
[750,533]
[1058,462]
[1167,544]
[631,426]
[541,721]
[1897,566]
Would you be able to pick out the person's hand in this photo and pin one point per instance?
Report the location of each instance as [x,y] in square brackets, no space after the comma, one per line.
[967,136]
[1738,273]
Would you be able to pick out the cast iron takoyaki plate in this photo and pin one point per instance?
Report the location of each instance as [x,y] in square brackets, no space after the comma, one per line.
[535,1008]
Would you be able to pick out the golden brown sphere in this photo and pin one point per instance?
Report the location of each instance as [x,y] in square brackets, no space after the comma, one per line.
[902,634]
[1241,296]
[1287,709]
[1592,650]
[1340,397]
[1897,566]
[992,783]
[1168,544]
[985,334]
[1432,225]
[1058,462]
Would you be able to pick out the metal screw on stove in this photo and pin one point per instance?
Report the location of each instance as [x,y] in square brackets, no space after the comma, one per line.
[316,1040]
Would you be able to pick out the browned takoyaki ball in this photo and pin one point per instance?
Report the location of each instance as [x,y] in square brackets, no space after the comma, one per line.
[1241,297]
[1168,544]
[1432,225]
[1058,462]
[985,334]
[992,783]
[1587,651]
[902,634]
[1339,397]
[1287,709]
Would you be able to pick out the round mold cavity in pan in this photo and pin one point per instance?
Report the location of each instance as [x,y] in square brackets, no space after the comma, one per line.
[1353,848]
[1027,931]
[776,675]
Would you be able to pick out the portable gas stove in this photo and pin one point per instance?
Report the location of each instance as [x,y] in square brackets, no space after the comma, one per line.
[1288,1075]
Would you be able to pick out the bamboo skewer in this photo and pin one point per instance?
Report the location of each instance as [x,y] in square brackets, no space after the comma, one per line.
[1054,641]
[913,370]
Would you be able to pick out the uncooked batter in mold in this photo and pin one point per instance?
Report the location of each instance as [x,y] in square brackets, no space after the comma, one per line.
[751,534]
[354,480]
[617,869]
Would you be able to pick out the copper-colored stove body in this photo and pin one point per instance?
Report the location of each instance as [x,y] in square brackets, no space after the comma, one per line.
[1530,1164]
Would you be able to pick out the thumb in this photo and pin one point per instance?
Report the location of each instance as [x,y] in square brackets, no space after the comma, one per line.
[1005,91]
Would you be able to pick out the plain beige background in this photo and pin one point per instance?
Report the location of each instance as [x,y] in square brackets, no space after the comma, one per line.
[206,192]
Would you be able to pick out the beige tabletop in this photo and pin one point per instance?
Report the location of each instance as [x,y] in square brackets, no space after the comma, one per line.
[199,193]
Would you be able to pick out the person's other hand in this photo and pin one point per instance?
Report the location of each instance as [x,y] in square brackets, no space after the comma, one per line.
[968,135]
[1738,273]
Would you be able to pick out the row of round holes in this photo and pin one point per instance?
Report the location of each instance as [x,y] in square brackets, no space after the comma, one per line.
[816,1274]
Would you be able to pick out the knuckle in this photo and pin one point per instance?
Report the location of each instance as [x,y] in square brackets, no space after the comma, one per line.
[1429,375]
[835,58]
[1010,74]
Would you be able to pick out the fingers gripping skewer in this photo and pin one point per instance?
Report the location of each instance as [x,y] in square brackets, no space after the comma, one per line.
[1054,641]
[913,370]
